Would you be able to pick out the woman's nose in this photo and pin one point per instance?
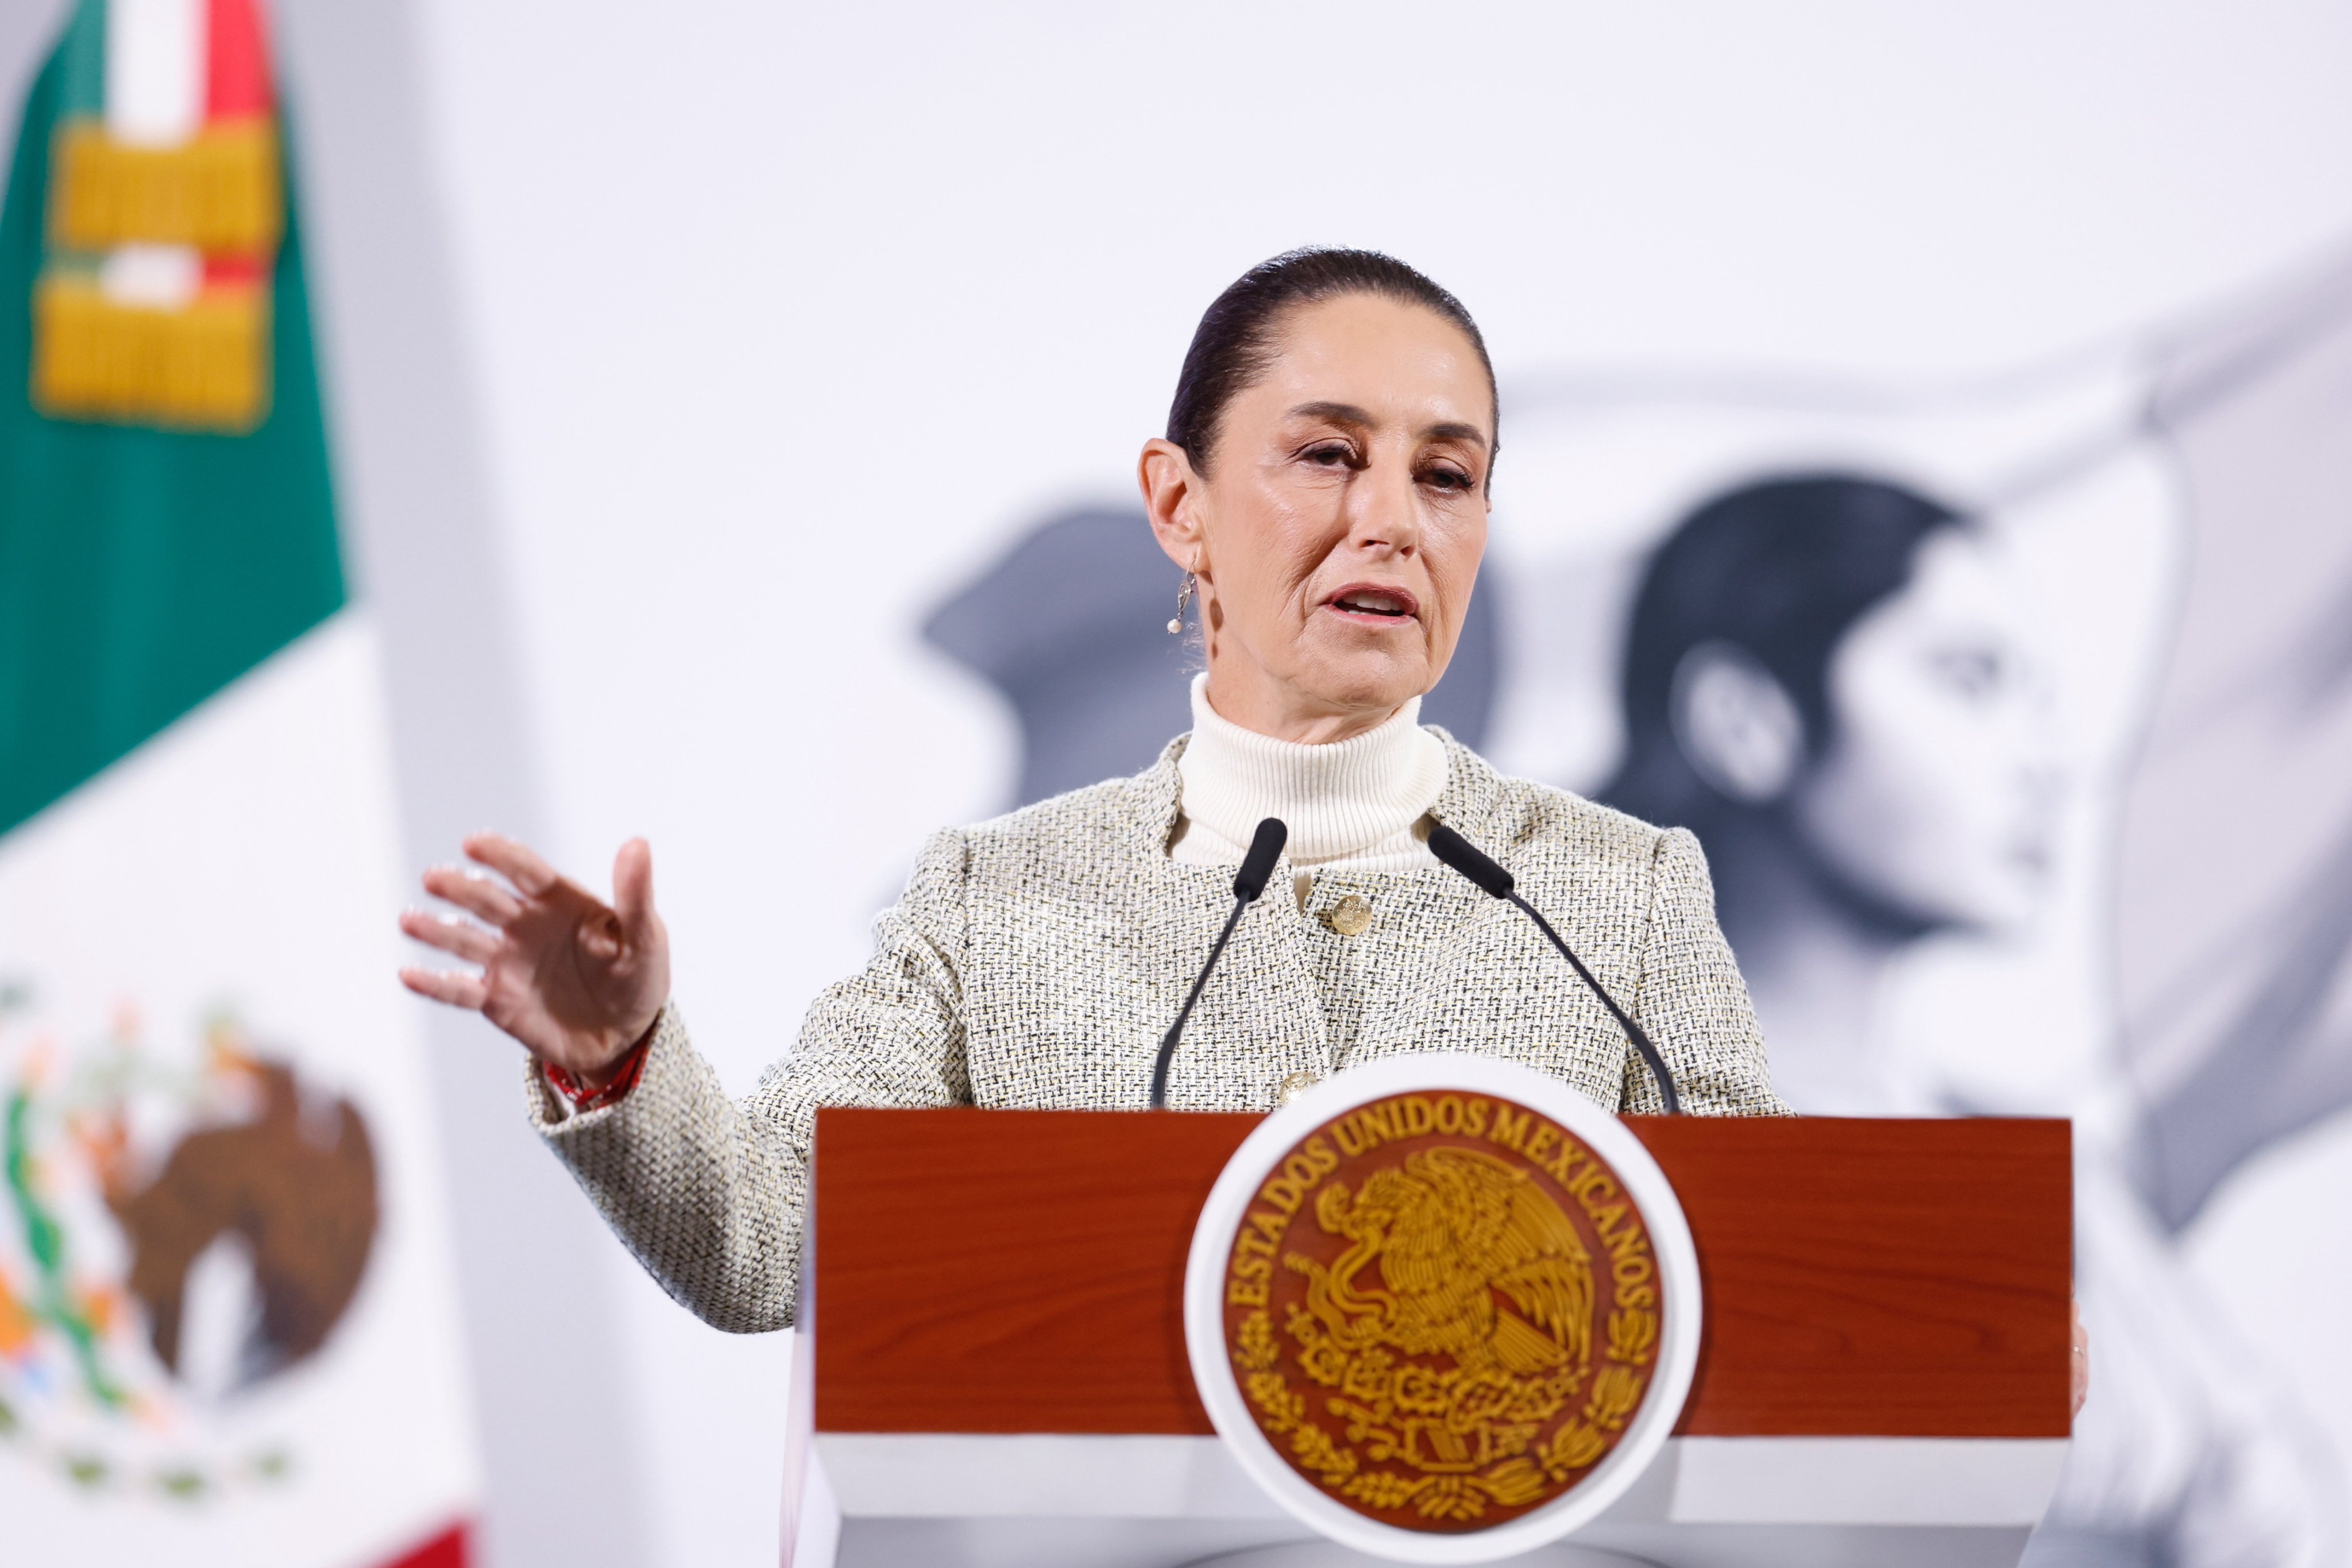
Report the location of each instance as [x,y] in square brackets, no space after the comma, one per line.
[1386,510]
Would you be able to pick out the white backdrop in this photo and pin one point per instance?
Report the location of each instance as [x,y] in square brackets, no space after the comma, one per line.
[784,315]
[777,319]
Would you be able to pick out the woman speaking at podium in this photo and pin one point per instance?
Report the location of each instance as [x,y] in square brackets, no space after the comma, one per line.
[1322,492]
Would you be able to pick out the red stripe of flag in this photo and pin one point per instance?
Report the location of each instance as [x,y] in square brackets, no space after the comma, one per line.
[236,71]
[233,272]
[446,1550]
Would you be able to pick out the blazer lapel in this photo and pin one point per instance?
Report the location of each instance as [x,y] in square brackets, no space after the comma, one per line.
[1260,1015]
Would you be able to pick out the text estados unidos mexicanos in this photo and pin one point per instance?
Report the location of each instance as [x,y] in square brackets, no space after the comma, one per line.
[1559,1155]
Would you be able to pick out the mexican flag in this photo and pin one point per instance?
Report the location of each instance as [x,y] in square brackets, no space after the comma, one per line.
[228,1327]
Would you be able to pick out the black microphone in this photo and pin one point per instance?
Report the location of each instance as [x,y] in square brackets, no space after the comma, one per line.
[1467,858]
[1265,848]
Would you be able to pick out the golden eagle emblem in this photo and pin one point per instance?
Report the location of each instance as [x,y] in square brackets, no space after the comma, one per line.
[1443,1311]
[1476,1261]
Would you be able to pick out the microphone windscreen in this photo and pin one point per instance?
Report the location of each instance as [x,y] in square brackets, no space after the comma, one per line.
[1265,848]
[1465,858]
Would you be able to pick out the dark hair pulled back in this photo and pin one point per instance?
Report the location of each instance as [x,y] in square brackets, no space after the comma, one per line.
[1235,342]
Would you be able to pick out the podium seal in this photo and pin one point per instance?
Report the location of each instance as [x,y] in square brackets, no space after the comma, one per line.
[1442,1309]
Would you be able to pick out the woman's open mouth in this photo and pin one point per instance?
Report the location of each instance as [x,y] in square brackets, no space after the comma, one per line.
[1367,605]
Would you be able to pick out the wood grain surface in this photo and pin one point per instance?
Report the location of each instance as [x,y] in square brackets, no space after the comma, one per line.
[1022,1271]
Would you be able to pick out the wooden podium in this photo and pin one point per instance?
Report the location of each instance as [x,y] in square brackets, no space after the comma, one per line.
[992,1368]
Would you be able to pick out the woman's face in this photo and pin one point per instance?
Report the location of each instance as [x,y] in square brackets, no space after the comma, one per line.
[1935,798]
[1338,529]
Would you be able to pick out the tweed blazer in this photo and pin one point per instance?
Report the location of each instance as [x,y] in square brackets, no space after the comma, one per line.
[1036,961]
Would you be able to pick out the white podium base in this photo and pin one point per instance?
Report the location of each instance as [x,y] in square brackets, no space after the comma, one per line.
[879,1501]
[1324,1554]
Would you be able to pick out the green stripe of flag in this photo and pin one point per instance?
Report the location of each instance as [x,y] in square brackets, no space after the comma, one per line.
[84,49]
[141,571]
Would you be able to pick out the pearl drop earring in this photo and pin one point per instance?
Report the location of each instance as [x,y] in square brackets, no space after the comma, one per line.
[1183,597]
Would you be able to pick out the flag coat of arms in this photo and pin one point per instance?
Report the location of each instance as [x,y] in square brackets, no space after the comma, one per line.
[228,1325]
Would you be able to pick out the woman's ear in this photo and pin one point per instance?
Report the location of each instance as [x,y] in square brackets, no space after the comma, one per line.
[1737,725]
[1171,499]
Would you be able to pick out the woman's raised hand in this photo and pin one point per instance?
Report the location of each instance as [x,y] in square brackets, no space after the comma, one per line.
[576,981]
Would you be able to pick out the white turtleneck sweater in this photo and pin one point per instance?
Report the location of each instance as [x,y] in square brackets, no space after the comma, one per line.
[1357,803]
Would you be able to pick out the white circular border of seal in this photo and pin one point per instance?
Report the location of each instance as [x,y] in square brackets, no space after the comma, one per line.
[1425,1072]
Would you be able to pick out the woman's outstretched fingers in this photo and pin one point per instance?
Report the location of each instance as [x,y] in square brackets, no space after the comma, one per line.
[632,888]
[517,863]
[560,972]
[456,989]
[462,939]
[474,893]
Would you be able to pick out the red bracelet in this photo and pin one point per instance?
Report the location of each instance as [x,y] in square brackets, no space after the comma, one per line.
[583,1098]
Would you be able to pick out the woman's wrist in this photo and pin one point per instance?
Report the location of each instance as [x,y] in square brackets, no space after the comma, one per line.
[588,1089]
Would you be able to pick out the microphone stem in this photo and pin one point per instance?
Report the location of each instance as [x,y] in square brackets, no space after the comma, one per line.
[1168,1041]
[1649,1052]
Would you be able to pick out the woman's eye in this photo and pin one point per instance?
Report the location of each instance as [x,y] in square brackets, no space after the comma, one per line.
[1331,456]
[1445,478]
